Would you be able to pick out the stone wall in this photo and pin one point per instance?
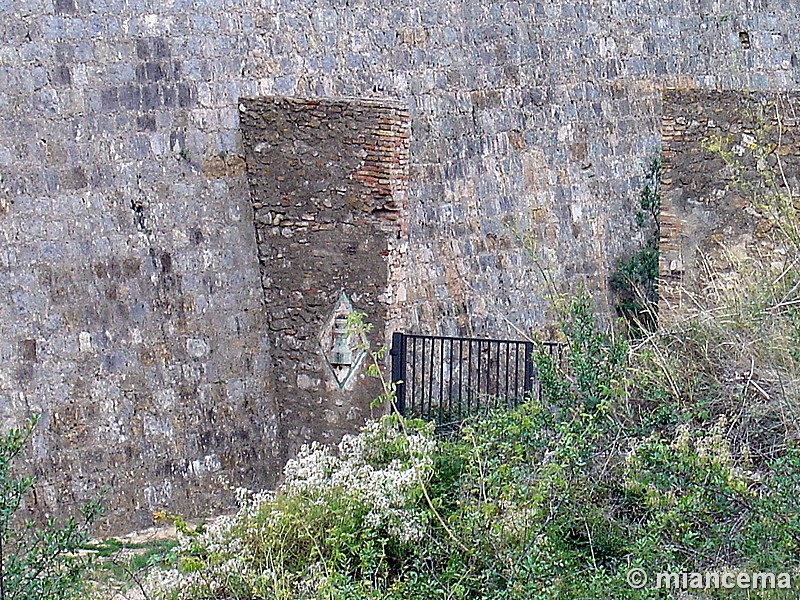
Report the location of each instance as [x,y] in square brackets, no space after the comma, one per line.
[328,182]
[134,317]
[729,158]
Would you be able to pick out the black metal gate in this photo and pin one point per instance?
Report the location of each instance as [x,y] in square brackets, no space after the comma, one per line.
[446,379]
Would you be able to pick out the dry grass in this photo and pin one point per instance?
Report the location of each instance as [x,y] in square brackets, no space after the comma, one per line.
[736,351]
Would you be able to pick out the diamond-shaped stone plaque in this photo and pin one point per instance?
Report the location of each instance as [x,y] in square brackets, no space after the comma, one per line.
[342,348]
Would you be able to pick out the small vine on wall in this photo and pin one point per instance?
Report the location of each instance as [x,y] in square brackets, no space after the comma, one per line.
[634,281]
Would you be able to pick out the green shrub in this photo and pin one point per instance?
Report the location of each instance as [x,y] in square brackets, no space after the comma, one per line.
[37,562]
[556,499]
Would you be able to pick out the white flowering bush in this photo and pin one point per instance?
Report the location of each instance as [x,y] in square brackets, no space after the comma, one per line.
[344,518]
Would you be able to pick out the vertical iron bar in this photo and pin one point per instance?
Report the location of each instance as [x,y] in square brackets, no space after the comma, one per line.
[487,379]
[469,377]
[450,381]
[441,379]
[486,353]
[430,380]
[478,375]
[489,395]
[413,375]
[422,382]
[398,367]
[404,373]
[508,352]
[487,375]
[528,383]
[497,377]
[460,375]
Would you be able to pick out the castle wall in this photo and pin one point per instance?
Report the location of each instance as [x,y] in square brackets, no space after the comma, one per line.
[134,315]
[731,172]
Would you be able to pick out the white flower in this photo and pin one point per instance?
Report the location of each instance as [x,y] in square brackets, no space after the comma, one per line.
[381,469]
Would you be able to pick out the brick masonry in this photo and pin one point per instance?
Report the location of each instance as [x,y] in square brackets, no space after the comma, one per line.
[727,155]
[328,182]
[134,315]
